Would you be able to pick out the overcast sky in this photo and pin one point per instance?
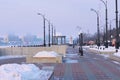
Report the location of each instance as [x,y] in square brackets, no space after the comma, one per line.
[20,16]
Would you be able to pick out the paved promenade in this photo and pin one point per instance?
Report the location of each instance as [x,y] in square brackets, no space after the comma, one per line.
[88,67]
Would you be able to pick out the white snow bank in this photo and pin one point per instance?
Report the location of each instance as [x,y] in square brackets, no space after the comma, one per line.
[4,46]
[45,75]
[86,46]
[23,72]
[9,57]
[46,54]
[103,49]
[117,54]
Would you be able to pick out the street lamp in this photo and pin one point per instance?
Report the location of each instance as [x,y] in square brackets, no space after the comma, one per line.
[110,31]
[55,40]
[52,34]
[102,34]
[48,33]
[117,31]
[43,28]
[98,43]
[105,3]
[119,23]
[104,37]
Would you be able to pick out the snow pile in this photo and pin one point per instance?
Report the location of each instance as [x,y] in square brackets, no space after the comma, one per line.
[86,46]
[103,49]
[46,54]
[109,49]
[23,72]
[19,72]
[117,54]
[4,46]
[44,75]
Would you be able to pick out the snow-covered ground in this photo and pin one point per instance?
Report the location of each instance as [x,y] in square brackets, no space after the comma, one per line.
[23,72]
[117,54]
[4,46]
[103,49]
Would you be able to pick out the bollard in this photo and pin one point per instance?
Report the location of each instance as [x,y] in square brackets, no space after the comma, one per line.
[103,48]
[73,46]
[81,52]
[116,50]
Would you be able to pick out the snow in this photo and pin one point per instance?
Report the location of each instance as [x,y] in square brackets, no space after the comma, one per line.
[109,49]
[103,49]
[23,72]
[117,54]
[9,57]
[86,46]
[4,46]
[46,54]
[45,75]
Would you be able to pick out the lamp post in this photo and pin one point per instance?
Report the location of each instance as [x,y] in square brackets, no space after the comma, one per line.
[98,30]
[110,31]
[104,36]
[106,21]
[52,34]
[117,31]
[44,43]
[49,33]
[119,23]
[55,40]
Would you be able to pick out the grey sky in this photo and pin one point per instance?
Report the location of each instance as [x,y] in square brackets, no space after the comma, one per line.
[20,16]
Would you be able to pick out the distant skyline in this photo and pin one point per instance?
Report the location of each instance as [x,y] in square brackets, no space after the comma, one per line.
[20,16]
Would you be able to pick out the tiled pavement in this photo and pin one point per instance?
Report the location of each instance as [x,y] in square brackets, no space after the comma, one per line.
[89,67]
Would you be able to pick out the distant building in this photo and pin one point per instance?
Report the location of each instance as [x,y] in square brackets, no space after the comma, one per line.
[6,40]
[1,39]
[12,38]
[71,40]
[31,40]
